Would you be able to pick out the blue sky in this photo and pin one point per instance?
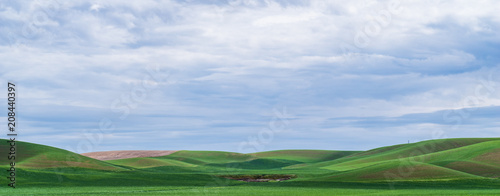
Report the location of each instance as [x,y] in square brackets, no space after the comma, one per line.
[250,75]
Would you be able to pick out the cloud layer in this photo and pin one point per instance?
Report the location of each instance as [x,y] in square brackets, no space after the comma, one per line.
[210,75]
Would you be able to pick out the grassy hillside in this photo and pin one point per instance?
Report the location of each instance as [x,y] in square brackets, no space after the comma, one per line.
[305,156]
[44,166]
[435,159]
[463,158]
[396,171]
[262,160]
[36,156]
[206,157]
[147,162]
[371,157]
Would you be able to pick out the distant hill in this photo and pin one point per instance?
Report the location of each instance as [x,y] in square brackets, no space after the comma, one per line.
[218,159]
[125,154]
[305,156]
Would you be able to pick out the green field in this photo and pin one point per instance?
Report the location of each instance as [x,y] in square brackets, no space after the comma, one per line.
[467,166]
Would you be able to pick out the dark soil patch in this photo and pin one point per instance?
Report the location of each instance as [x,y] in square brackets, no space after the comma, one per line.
[260,177]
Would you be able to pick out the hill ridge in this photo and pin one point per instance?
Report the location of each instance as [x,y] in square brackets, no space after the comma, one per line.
[125,154]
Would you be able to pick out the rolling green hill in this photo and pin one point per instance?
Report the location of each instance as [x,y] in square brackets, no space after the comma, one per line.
[206,157]
[444,161]
[305,156]
[261,160]
[146,162]
[434,159]
[36,156]
[366,158]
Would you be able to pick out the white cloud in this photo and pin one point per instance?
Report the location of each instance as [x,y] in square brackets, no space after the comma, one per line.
[285,19]
[231,62]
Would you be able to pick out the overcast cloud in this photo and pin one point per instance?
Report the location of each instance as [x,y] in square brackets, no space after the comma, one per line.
[210,75]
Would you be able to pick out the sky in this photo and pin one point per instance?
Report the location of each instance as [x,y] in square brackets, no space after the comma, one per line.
[250,75]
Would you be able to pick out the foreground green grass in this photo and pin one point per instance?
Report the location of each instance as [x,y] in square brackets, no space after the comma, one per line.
[239,190]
